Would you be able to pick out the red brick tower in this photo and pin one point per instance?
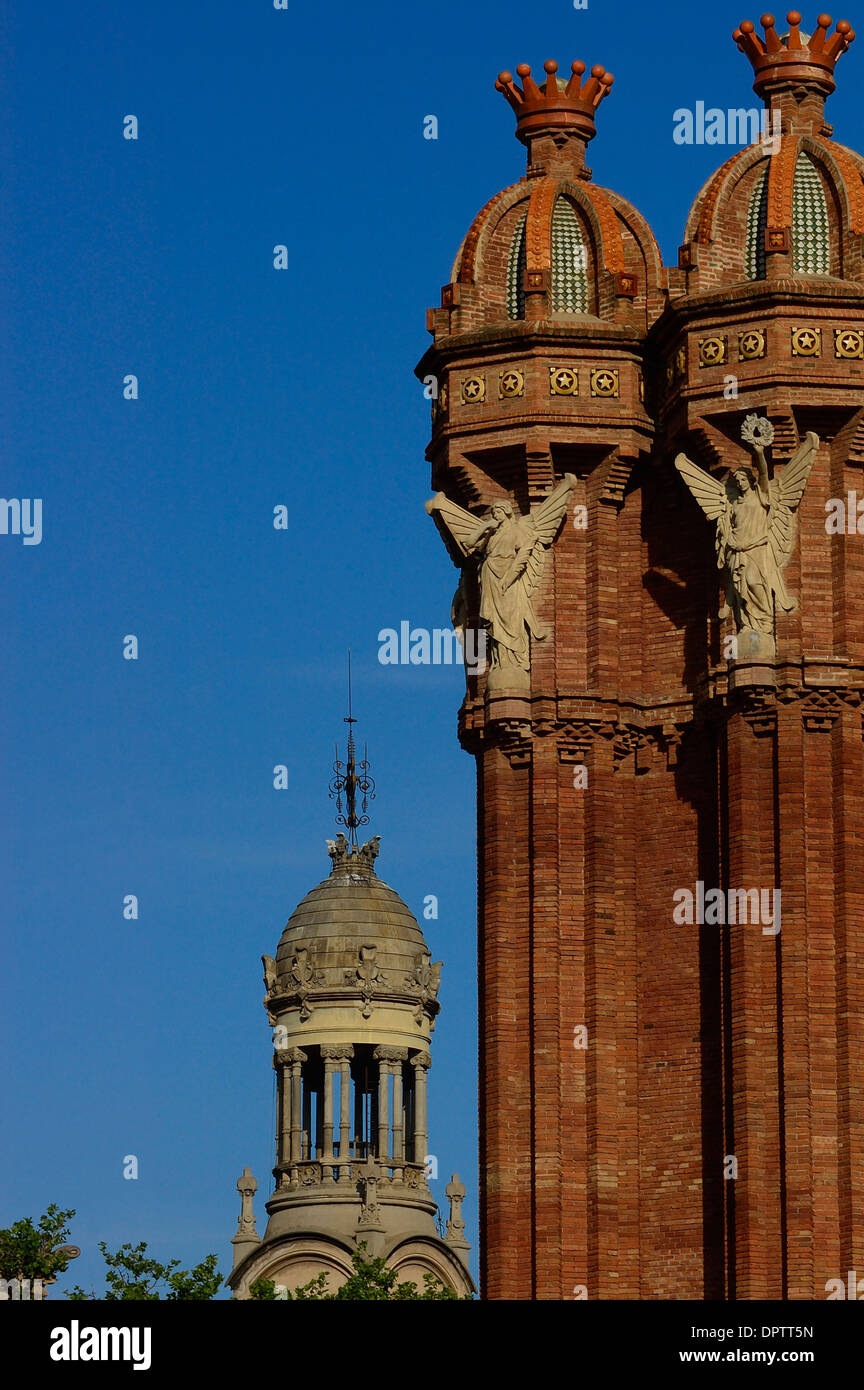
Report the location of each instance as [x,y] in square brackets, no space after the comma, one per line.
[768,318]
[632,1063]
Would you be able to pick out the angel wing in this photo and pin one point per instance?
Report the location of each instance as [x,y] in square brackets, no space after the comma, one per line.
[787,492]
[540,527]
[709,493]
[547,515]
[455,526]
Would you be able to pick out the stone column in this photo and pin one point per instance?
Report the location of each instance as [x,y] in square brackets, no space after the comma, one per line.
[421,1061]
[333,1057]
[390,1061]
[382,1057]
[282,1067]
[398,1108]
[296,1057]
[345,1104]
[327,1127]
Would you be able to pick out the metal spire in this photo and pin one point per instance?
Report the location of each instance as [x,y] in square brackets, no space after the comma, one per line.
[351,778]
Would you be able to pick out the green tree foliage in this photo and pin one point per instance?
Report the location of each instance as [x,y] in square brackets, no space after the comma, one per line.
[28,1251]
[134,1276]
[371,1280]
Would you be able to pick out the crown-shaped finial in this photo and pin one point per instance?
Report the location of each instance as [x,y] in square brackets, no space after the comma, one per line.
[555,105]
[796,59]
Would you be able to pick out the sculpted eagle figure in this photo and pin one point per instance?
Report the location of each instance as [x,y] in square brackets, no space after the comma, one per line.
[756,525]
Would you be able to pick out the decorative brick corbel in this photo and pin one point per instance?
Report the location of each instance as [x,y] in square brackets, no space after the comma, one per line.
[820,712]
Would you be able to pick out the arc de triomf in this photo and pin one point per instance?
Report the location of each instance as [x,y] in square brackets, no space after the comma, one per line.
[647,477]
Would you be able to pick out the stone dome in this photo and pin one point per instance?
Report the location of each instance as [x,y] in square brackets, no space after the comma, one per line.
[351,939]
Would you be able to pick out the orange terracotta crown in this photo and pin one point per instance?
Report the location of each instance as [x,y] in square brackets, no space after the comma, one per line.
[555,105]
[795,58]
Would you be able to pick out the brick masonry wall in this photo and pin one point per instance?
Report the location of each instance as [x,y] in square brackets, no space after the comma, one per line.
[604,1168]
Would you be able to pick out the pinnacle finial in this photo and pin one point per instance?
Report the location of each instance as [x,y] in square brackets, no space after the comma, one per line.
[794,59]
[351,779]
[555,105]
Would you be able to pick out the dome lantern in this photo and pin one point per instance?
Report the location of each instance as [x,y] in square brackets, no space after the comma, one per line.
[351,996]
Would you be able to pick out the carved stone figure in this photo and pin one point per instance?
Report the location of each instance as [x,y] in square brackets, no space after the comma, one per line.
[346,855]
[511,553]
[425,981]
[339,849]
[756,528]
[366,855]
[270,973]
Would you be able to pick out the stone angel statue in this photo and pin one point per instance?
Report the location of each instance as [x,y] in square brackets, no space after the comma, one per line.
[756,526]
[511,553]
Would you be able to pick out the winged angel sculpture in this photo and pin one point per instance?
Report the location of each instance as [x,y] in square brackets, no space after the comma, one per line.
[756,526]
[511,553]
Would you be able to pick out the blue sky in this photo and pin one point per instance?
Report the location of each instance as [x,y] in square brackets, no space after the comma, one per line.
[257,387]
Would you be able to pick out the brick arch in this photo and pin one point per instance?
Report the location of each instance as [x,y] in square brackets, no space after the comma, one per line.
[482,228]
[844,175]
[641,231]
[594,203]
[607,242]
[538,227]
[703,214]
[781,181]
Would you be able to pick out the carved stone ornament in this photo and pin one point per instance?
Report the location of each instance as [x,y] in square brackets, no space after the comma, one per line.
[390,1054]
[510,553]
[302,977]
[369,1175]
[368,976]
[424,981]
[755,530]
[455,1191]
[270,973]
[271,984]
[247,1186]
[309,1174]
[347,856]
